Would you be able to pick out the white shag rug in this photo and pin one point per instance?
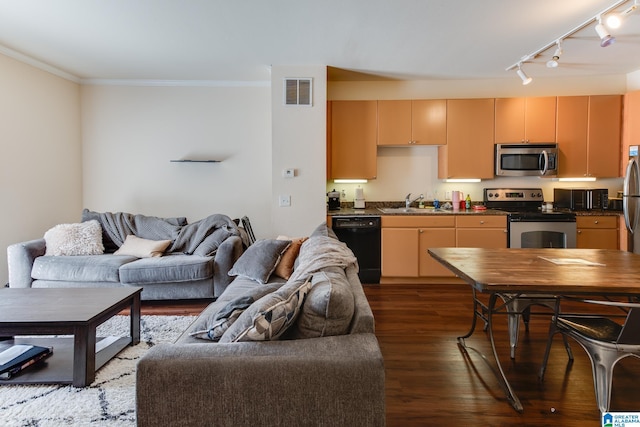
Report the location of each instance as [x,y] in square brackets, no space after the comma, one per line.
[109,401]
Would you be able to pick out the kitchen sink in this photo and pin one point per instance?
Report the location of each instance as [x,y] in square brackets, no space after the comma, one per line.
[410,210]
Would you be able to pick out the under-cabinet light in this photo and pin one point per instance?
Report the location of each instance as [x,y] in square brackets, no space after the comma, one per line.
[463,180]
[350,181]
[581,179]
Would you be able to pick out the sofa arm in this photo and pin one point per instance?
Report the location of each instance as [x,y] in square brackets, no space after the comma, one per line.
[20,257]
[331,381]
[226,255]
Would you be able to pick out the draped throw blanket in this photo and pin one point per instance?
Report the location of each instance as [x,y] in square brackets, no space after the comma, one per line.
[320,252]
[185,238]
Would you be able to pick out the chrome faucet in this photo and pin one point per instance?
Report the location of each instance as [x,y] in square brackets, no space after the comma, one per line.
[408,201]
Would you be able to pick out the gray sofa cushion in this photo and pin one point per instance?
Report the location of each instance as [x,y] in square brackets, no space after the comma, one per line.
[260,259]
[89,268]
[167,269]
[328,308]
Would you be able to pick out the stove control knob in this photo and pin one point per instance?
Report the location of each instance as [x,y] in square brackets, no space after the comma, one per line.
[490,195]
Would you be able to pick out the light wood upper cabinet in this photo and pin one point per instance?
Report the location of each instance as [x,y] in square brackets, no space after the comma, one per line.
[588,135]
[631,127]
[412,122]
[573,117]
[352,140]
[469,149]
[605,127]
[525,119]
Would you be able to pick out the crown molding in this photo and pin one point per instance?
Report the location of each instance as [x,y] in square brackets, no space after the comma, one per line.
[38,64]
[175,83]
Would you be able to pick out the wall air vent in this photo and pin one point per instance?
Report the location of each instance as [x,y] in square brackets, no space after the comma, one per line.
[298,91]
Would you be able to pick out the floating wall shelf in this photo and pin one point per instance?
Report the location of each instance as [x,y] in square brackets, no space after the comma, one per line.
[194,161]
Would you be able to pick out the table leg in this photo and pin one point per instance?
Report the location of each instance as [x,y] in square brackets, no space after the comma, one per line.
[513,399]
[134,316]
[485,312]
[84,356]
[476,304]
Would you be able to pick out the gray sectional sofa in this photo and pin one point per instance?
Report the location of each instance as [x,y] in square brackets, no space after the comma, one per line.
[194,265]
[316,365]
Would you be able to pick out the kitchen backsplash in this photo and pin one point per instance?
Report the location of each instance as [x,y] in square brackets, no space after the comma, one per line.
[414,170]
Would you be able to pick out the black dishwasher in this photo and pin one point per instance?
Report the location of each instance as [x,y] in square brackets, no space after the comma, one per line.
[362,236]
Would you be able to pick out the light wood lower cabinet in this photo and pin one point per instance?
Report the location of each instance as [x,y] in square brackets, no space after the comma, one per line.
[597,232]
[485,231]
[405,240]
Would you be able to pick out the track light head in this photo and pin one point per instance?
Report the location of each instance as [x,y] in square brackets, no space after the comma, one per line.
[606,39]
[553,62]
[614,20]
[525,79]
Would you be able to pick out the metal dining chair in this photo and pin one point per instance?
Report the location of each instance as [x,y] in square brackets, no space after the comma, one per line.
[519,306]
[604,340]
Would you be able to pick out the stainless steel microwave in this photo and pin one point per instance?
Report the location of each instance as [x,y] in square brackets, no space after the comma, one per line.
[526,159]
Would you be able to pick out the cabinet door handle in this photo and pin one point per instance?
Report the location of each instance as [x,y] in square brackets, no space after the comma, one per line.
[596,221]
[579,231]
[481,222]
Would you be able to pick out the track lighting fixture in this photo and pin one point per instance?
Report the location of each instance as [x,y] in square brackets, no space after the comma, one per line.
[553,62]
[523,76]
[614,20]
[606,39]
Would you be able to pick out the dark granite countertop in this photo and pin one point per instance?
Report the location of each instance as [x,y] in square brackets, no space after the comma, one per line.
[372,209]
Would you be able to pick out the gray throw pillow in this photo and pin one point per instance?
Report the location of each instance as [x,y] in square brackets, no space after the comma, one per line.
[328,308]
[260,259]
[270,316]
[212,327]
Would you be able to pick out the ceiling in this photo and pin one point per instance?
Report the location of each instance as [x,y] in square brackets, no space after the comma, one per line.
[238,40]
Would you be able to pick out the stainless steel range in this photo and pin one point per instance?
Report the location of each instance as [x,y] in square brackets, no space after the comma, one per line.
[528,225]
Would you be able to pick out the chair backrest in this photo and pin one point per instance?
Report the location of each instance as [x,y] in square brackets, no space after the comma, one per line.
[247,227]
[630,333]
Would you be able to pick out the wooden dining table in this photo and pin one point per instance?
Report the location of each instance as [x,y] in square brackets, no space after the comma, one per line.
[501,272]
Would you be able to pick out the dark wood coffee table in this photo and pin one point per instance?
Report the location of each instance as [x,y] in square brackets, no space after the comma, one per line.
[66,311]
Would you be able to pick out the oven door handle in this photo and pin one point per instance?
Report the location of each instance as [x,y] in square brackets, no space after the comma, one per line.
[545,167]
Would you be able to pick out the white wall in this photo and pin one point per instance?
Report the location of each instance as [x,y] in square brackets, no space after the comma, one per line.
[633,81]
[130,134]
[299,142]
[403,170]
[40,154]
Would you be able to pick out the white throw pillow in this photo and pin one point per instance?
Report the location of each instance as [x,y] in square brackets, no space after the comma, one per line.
[84,238]
[142,248]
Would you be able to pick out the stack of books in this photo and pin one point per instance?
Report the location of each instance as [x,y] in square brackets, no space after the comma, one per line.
[19,357]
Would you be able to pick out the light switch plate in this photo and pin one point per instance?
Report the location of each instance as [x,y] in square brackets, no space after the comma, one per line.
[285,200]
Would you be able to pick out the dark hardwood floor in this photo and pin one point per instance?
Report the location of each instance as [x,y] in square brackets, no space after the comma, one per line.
[430,380]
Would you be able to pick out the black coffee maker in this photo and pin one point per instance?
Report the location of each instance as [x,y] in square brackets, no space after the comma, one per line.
[334,200]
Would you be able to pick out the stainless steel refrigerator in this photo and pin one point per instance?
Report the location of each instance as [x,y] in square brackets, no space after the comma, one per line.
[631,199]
